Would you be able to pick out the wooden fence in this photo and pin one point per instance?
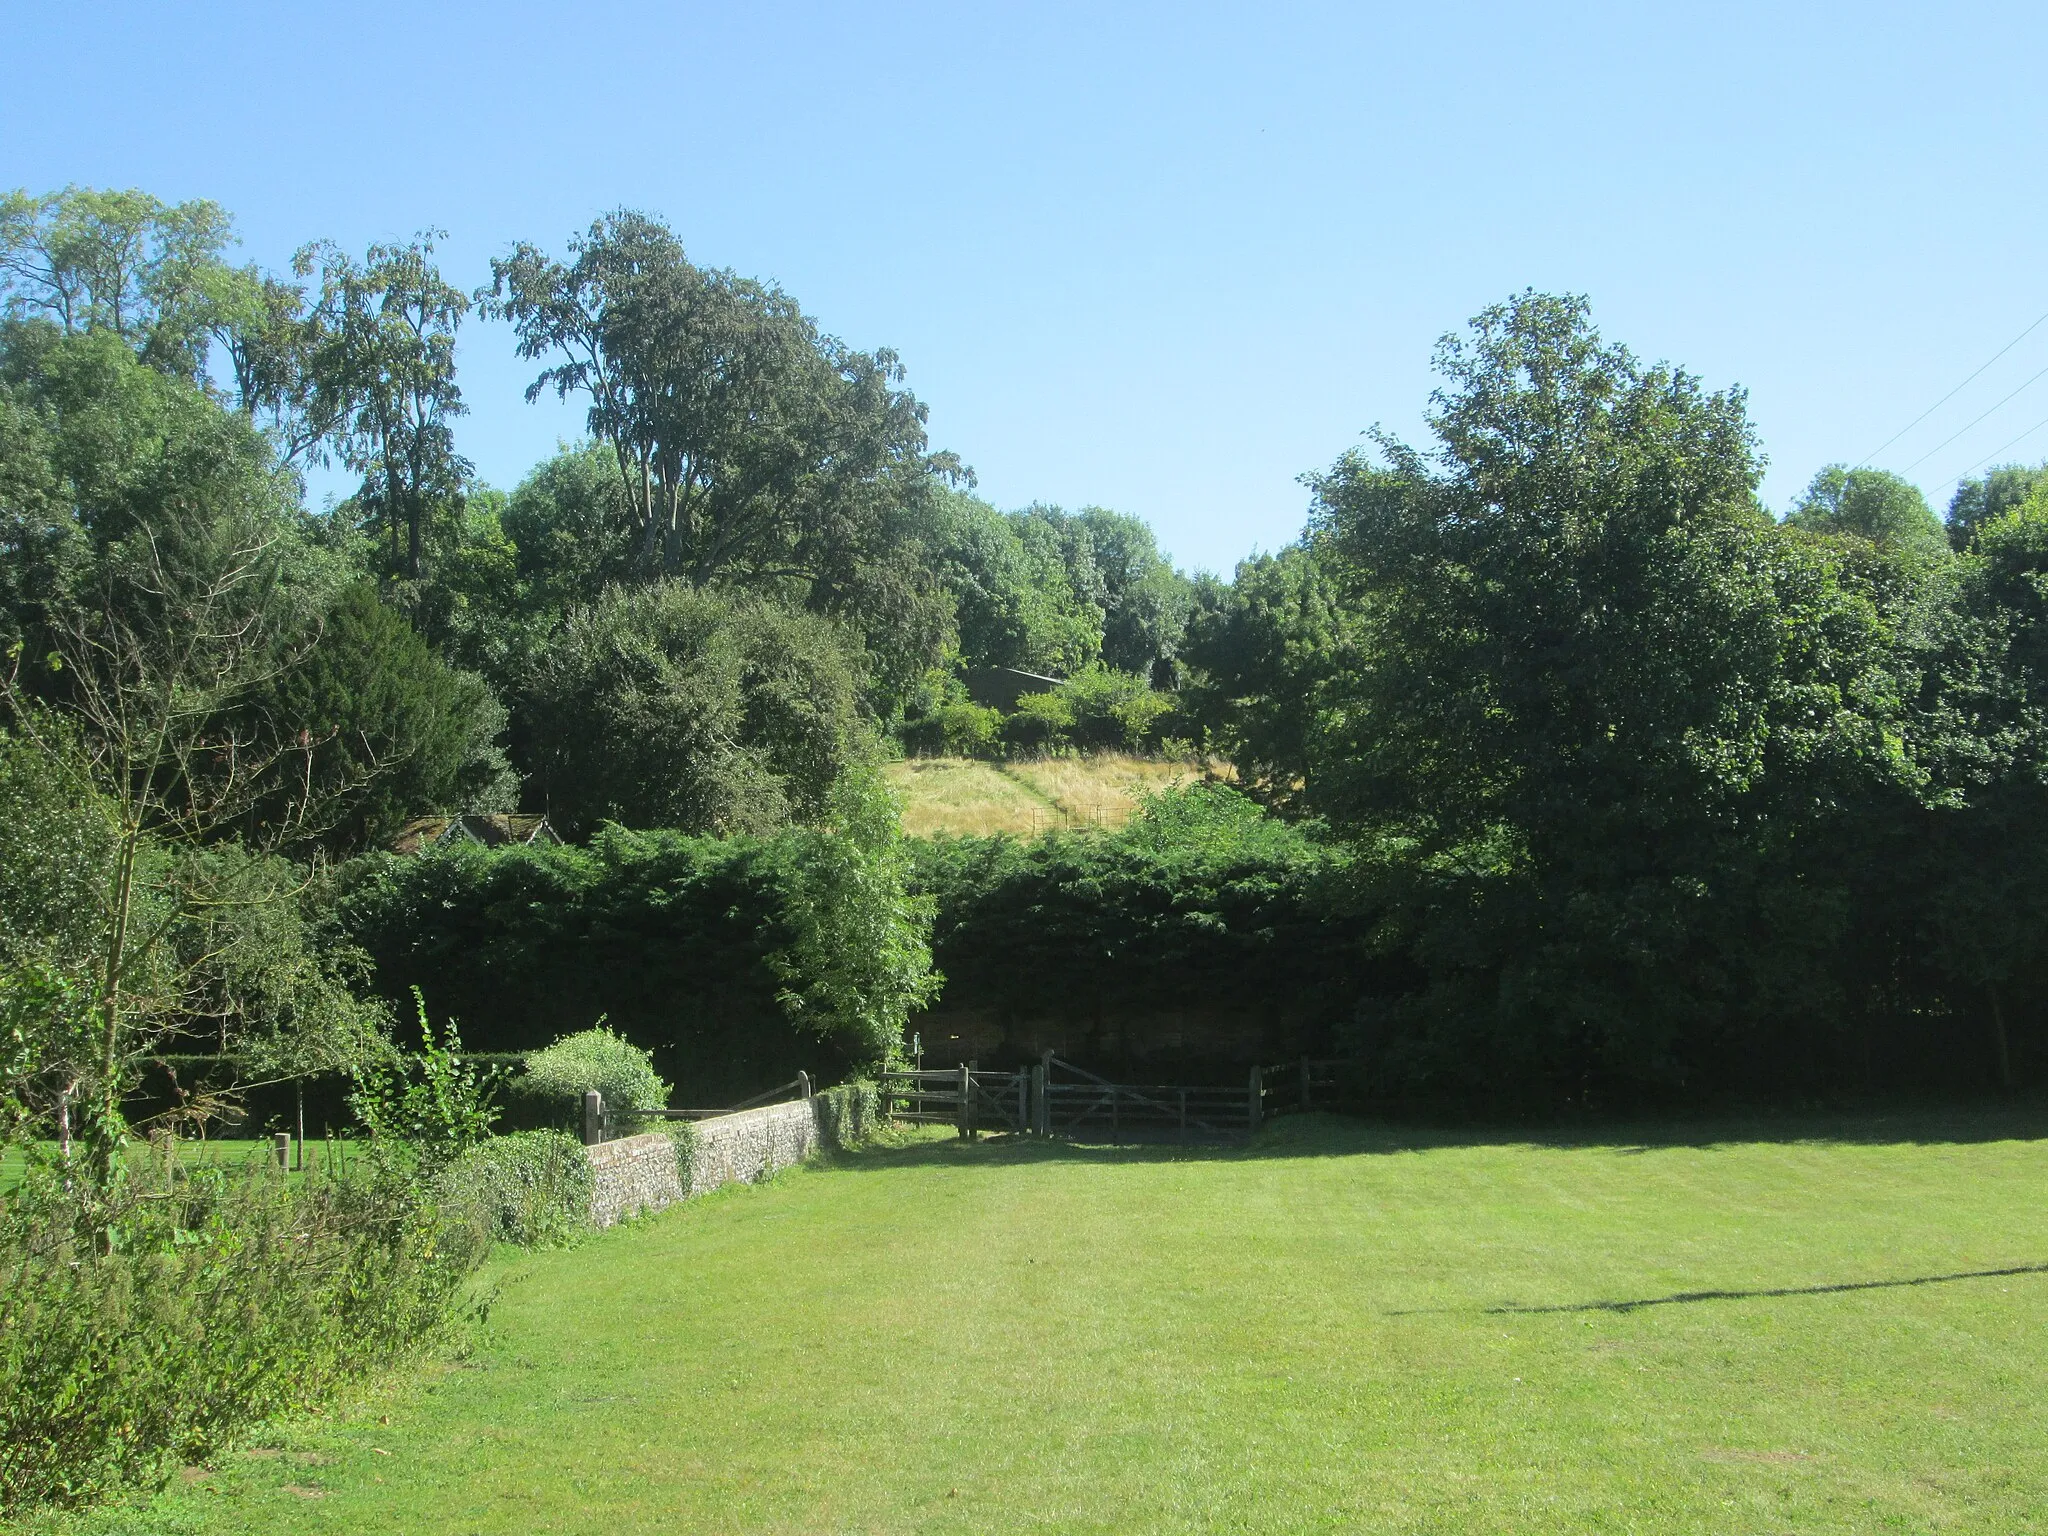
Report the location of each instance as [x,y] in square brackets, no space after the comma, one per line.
[1058,1098]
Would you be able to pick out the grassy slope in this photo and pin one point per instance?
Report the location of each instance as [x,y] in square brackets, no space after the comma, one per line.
[966,796]
[1340,1330]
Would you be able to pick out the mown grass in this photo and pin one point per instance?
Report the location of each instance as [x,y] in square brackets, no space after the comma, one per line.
[1834,1327]
[227,1152]
[968,797]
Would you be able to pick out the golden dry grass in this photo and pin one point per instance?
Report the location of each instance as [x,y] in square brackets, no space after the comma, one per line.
[966,797]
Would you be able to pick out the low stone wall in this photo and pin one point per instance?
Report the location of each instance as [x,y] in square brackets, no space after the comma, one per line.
[645,1173]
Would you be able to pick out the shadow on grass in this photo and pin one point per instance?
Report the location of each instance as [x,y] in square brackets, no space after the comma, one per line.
[1327,1135]
[1681,1298]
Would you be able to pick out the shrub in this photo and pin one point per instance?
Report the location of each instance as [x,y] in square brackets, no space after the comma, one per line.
[532,1189]
[737,961]
[226,1298]
[427,1109]
[562,1073]
[1113,709]
[1042,721]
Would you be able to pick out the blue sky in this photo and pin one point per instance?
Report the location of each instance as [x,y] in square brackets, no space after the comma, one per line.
[1161,258]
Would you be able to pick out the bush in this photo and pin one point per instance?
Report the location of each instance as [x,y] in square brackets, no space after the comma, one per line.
[1041,722]
[1113,710]
[562,1073]
[668,706]
[532,1189]
[226,1298]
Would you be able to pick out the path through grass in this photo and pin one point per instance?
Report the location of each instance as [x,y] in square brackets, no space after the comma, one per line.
[1833,1328]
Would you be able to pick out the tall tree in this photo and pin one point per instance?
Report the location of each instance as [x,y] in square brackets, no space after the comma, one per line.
[1607,715]
[1873,504]
[385,366]
[1990,496]
[751,448]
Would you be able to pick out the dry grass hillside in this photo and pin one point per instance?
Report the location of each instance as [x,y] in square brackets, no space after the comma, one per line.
[968,797]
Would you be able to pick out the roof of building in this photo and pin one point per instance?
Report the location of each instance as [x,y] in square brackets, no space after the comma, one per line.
[491,829]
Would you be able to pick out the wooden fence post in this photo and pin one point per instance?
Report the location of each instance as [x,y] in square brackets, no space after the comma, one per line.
[593,1117]
[1253,1104]
[283,1142]
[1041,1113]
[965,1108]
[1304,1082]
[1023,1104]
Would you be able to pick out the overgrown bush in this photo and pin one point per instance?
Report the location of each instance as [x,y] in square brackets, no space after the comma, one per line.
[559,1075]
[225,1297]
[1115,710]
[532,1189]
[1041,721]
[957,728]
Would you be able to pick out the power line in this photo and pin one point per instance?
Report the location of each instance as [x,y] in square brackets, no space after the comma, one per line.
[1944,400]
[1994,453]
[1930,453]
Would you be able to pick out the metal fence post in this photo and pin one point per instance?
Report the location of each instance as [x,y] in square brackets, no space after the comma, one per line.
[803,1082]
[593,1117]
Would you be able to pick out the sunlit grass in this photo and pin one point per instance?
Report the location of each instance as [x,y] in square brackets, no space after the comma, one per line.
[969,798]
[1826,1327]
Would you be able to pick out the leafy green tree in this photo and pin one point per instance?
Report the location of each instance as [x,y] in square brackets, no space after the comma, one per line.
[1989,497]
[752,450]
[1260,653]
[385,361]
[124,263]
[1874,504]
[664,706]
[1606,710]
[1146,602]
[859,963]
[386,730]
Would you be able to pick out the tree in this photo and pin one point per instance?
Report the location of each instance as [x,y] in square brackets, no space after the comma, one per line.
[1605,717]
[752,450]
[1989,497]
[1146,601]
[665,706]
[146,271]
[161,579]
[1874,504]
[385,366]
[390,731]
[1259,655]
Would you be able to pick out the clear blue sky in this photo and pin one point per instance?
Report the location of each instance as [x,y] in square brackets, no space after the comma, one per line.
[1162,258]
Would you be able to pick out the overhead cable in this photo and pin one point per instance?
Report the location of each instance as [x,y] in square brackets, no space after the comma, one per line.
[1944,400]
[1930,453]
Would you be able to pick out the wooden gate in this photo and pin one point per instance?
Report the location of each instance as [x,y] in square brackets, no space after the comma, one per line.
[964,1096]
[1073,1101]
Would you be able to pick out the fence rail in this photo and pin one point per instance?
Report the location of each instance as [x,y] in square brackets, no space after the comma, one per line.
[1059,1098]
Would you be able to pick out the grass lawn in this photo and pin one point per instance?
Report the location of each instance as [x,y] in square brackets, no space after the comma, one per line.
[968,797]
[1777,1326]
[226,1152]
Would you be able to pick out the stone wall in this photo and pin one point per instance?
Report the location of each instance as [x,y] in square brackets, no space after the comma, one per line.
[645,1173]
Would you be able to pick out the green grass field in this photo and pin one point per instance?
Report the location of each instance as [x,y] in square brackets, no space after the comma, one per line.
[191,1154]
[1769,1327]
[966,796]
